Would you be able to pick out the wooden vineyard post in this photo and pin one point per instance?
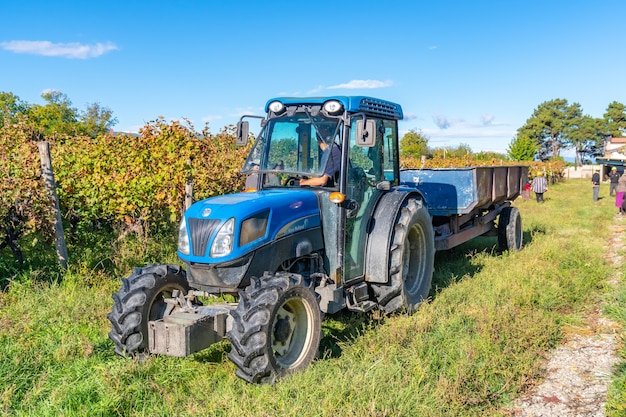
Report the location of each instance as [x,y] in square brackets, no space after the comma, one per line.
[48,177]
[189,189]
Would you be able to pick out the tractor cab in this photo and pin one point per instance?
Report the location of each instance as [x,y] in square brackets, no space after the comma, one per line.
[350,140]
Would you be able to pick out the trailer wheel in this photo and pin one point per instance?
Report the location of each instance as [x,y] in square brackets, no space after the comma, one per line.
[412,256]
[510,234]
[276,328]
[140,300]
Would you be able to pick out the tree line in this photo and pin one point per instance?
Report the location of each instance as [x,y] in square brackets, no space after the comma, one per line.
[554,126]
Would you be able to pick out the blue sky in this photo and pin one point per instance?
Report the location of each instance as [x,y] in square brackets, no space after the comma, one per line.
[468,72]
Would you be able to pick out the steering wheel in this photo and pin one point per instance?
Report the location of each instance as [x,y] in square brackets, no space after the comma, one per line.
[292,181]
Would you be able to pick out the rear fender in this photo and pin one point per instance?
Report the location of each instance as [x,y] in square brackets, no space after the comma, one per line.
[379,240]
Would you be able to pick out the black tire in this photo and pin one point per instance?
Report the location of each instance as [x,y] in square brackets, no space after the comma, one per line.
[411,262]
[276,328]
[140,300]
[510,234]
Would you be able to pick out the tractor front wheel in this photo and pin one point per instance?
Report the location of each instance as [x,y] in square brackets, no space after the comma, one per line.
[140,300]
[276,328]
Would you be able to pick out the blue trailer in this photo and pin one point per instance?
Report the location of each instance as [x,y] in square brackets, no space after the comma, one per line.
[328,222]
[465,202]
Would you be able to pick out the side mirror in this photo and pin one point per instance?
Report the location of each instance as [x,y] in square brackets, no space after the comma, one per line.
[243,130]
[365,133]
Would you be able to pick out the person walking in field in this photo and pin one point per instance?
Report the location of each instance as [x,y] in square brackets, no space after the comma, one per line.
[539,186]
[526,191]
[595,183]
[619,193]
[613,180]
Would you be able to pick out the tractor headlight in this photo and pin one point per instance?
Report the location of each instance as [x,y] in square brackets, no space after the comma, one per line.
[183,238]
[333,106]
[223,242]
[276,107]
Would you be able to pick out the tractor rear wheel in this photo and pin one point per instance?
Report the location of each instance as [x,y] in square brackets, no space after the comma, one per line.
[411,262]
[276,328]
[140,300]
[510,234]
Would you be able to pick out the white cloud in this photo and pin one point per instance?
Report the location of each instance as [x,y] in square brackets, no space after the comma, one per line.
[64,50]
[361,84]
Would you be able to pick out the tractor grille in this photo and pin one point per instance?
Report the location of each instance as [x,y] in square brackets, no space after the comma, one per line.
[380,108]
[200,230]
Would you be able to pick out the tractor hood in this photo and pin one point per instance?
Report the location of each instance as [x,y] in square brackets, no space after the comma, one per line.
[228,227]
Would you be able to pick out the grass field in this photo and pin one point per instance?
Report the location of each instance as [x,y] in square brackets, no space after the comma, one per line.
[476,345]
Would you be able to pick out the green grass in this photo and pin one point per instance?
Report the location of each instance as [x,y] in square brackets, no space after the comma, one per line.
[616,310]
[475,346]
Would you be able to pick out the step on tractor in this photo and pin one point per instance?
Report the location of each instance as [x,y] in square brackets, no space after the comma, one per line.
[329,223]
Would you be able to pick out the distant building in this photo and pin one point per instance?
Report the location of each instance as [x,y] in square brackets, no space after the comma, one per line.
[614,155]
[615,148]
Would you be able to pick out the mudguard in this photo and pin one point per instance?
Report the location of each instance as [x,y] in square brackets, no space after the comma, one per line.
[379,240]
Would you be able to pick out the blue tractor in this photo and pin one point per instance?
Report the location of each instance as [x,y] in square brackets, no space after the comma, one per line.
[325,225]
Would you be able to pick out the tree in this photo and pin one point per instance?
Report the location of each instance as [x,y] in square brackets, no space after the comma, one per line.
[587,137]
[56,117]
[615,120]
[460,151]
[10,106]
[522,148]
[490,156]
[414,143]
[550,126]
[97,120]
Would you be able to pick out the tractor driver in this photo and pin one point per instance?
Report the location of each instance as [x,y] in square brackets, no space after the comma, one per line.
[333,164]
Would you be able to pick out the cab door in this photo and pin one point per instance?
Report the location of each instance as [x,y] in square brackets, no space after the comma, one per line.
[368,170]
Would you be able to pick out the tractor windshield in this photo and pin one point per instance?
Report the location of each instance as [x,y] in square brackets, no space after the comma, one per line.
[289,146]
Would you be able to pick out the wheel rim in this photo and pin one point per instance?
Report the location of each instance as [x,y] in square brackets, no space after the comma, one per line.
[291,332]
[158,305]
[413,265]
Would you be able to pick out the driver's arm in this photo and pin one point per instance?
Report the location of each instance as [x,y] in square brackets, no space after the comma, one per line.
[315,181]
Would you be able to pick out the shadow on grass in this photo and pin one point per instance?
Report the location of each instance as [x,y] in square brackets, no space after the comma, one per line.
[460,263]
[342,328]
[41,263]
[38,264]
[216,353]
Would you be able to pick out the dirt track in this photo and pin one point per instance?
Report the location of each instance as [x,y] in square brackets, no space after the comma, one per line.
[579,371]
